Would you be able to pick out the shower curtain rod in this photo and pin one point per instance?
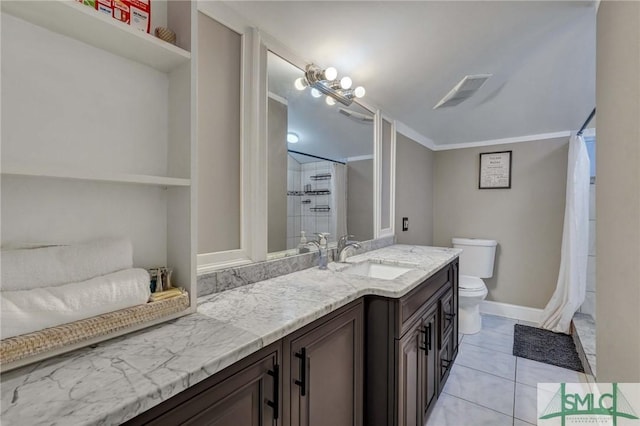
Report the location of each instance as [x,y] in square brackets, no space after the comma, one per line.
[315,156]
[584,126]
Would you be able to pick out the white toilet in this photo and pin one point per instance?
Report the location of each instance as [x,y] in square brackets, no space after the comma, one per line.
[476,262]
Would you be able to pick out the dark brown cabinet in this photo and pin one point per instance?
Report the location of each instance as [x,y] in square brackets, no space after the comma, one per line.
[410,346]
[312,377]
[245,394]
[417,358]
[323,376]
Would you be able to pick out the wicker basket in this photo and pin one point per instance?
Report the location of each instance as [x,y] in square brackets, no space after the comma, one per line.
[27,345]
[166,34]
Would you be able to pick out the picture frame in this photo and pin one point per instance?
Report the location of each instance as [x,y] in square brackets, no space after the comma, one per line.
[495,170]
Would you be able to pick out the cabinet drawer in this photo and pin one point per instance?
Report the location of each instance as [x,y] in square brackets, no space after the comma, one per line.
[410,306]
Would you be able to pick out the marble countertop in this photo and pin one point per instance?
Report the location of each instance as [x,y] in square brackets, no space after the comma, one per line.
[116,380]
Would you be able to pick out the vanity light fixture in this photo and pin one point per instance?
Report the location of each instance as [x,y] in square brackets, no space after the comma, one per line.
[326,82]
[292,137]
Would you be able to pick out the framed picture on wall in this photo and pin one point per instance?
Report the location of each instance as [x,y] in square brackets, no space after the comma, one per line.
[495,170]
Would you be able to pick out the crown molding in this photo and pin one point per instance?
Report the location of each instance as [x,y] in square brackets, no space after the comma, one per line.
[415,136]
[517,139]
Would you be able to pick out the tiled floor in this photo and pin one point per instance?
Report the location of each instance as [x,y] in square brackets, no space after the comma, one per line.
[489,386]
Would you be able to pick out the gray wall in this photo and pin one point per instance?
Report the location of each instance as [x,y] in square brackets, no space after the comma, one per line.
[414,191]
[219,74]
[277,177]
[360,199]
[618,201]
[526,220]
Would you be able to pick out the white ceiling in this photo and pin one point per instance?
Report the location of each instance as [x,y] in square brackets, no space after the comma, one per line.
[408,55]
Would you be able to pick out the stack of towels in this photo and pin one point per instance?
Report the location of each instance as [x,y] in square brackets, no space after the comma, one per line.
[49,286]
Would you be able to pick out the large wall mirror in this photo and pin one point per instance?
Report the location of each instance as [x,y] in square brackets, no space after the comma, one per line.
[320,164]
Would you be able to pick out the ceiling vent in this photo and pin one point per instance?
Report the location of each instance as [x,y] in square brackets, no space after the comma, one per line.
[463,90]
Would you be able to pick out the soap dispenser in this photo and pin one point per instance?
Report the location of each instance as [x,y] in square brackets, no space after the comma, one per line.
[302,247]
[324,248]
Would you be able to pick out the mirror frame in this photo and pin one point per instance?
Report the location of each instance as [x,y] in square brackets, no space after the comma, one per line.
[254,170]
[379,231]
[249,148]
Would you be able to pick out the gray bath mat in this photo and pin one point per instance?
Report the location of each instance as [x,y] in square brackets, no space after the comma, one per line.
[546,346]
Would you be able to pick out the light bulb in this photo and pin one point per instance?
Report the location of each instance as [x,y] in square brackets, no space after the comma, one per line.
[345,82]
[300,83]
[292,137]
[331,73]
[359,92]
[315,93]
[330,101]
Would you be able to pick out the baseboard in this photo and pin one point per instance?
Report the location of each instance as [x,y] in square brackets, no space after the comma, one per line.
[508,310]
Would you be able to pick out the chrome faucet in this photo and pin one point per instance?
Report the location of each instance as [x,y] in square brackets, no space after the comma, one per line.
[343,245]
[322,253]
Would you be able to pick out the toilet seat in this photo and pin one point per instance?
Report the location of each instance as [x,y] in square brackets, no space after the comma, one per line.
[470,284]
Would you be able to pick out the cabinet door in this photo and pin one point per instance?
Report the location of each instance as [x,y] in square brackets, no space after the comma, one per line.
[454,278]
[249,397]
[410,384]
[446,358]
[447,315]
[325,373]
[429,374]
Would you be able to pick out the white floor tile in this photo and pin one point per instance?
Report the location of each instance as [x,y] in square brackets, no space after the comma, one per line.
[487,360]
[481,388]
[498,324]
[452,411]
[531,373]
[491,340]
[526,402]
[529,323]
[518,422]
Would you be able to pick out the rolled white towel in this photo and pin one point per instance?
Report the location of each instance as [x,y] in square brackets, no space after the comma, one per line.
[50,266]
[31,310]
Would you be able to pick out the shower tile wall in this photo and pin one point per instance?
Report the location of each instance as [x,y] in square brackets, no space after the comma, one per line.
[314,221]
[589,305]
[300,217]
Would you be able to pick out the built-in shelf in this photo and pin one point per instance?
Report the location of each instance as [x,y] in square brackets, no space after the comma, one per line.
[87,25]
[95,176]
[320,209]
[323,176]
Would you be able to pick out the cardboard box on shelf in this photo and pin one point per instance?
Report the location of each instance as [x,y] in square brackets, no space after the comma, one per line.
[105,6]
[121,10]
[140,11]
[136,13]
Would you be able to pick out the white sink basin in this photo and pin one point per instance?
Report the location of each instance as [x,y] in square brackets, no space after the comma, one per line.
[376,270]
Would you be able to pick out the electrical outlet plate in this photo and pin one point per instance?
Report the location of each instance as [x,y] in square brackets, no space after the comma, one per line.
[405,223]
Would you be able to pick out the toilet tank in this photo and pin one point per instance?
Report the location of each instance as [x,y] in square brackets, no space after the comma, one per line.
[477,256]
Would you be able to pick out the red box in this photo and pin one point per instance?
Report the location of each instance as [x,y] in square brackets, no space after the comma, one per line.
[121,10]
[105,6]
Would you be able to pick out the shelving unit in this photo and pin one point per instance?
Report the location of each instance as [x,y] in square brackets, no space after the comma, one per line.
[98,136]
[83,23]
[94,176]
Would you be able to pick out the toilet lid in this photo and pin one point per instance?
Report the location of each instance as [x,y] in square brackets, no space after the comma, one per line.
[467,282]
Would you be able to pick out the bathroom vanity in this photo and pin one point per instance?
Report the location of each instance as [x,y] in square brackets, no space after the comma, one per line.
[317,375]
[291,347]
[411,344]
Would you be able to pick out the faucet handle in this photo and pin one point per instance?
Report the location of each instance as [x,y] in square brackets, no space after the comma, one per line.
[345,238]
